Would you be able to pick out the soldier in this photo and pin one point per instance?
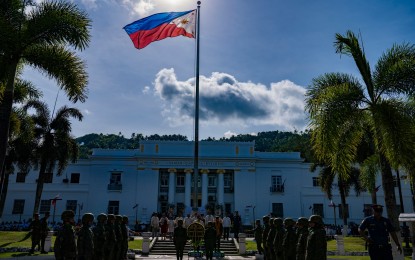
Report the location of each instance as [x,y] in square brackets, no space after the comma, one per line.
[219,232]
[302,234]
[210,239]
[86,238]
[44,230]
[316,240]
[65,245]
[258,236]
[236,225]
[35,228]
[111,238]
[379,228]
[265,232]
[118,235]
[270,240]
[100,237]
[125,235]
[290,239]
[179,239]
[277,244]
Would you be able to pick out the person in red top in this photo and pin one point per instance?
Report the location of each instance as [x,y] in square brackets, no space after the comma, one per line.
[219,232]
[164,224]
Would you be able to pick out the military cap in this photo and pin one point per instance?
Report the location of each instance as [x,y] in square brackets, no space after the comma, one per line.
[111,217]
[118,218]
[377,207]
[266,217]
[289,222]
[302,221]
[278,221]
[67,214]
[316,219]
[102,217]
[87,217]
[124,218]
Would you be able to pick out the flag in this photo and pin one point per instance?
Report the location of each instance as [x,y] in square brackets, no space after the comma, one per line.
[54,199]
[377,188]
[160,26]
[331,203]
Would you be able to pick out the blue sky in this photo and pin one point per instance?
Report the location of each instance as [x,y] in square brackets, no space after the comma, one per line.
[256,60]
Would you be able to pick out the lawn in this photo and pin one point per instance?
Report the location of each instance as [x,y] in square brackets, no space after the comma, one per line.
[21,239]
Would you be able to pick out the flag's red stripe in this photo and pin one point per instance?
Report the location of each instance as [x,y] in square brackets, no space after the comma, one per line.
[143,38]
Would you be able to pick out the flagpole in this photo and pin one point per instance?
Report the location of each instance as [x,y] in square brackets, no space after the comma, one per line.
[196,151]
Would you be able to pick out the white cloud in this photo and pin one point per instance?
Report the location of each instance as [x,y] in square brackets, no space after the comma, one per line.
[92,4]
[140,7]
[229,133]
[87,112]
[226,101]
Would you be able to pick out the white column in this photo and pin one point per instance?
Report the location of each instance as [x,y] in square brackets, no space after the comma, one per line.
[204,187]
[221,187]
[172,187]
[188,188]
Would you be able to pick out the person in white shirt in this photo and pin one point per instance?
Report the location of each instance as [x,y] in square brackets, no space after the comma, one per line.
[155,225]
[209,218]
[226,222]
[187,221]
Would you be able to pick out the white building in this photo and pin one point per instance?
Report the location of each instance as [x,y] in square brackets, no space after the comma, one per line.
[159,174]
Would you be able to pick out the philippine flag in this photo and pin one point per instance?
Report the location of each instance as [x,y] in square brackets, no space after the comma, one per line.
[160,26]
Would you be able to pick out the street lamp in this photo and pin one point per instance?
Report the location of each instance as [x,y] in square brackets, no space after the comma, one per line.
[136,212]
[334,206]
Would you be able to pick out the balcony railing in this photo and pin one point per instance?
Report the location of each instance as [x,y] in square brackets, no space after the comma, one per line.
[180,189]
[115,186]
[211,189]
[164,189]
[276,189]
[198,190]
[228,190]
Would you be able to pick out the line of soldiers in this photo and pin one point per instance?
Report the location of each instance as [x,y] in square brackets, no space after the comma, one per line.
[39,232]
[108,240]
[281,240]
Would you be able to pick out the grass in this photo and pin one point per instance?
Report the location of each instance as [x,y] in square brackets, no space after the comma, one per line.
[21,239]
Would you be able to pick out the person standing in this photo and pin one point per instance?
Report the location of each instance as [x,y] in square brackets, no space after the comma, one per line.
[85,242]
[179,239]
[164,225]
[219,232]
[35,229]
[155,225]
[210,239]
[265,220]
[277,245]
[302,234]
[44,230]
[100,237]
[125,231]
[258,236]
[65,244]
[187,221]
[271,254]
[226,222]
[111,238]
[290,239]
[236,225]
[316,240]
[379,228]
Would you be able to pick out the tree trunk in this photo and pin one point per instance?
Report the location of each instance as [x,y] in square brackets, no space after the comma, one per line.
[5,112]
[39,187]
[3,194]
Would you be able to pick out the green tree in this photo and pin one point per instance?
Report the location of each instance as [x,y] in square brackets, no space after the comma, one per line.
[44,38]
[342,107]
[55,146]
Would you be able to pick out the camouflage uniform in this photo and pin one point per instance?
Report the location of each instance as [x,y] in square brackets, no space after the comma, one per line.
[270,240]
[302,234]
[290,240]
[277,243]
[65,245]
[100,237]
[86,238]
[118,235]
[258,236]
[265,232]
[124,232]
[179,239]
[316,240]
[35,228]
[111,238]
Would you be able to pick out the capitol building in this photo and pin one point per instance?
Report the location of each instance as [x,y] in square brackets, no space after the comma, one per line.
[159,176]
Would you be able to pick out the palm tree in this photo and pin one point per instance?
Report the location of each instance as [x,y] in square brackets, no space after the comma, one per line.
[56,147]
[342,107]
[44,38]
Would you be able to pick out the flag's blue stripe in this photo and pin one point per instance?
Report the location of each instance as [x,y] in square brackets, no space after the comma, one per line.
[153,21]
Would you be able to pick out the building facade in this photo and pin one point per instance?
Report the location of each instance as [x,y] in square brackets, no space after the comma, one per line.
[159,176]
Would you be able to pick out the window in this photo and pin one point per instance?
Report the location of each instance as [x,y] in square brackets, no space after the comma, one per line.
[276,184]
[211,180]
[21,177]
[341,211]
[71,205]
[367,210]
[278,210]
[227,180]
[18,207]
[113,207]
[316,182]
[75,177]
[180,180]
[115,178]
[44,206]
[164,179]
[318,210]
[48,178]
